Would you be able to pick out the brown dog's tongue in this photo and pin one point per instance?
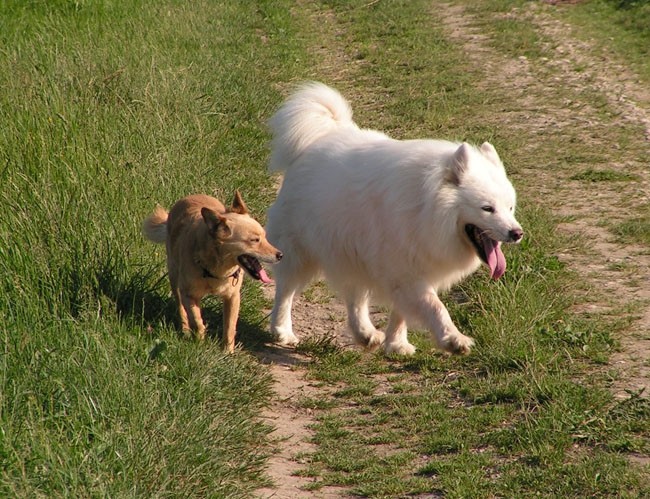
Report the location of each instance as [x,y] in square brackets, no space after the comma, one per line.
[264,277]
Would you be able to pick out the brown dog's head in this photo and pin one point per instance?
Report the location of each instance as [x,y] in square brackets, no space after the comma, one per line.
[239,235]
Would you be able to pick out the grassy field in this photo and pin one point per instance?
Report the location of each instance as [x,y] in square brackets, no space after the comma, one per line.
[108,108]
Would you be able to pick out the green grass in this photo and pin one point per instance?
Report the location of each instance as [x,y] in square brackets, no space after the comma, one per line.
[108,108]
[634,230]
[622,26]
[591,175]
[528,412]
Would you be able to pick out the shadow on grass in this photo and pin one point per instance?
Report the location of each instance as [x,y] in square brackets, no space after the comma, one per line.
[251,335]
[139,298]
[143,299]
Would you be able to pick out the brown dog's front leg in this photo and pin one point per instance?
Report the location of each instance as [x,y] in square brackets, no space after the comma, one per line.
[230,315]
[185,325]
[193,312]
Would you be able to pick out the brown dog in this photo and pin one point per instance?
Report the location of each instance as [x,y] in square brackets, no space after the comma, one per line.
[207,247]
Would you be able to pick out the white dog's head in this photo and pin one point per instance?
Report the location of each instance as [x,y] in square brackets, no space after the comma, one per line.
[486,204]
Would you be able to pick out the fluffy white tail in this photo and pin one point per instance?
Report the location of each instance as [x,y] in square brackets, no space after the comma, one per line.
[154,227]
[312,112]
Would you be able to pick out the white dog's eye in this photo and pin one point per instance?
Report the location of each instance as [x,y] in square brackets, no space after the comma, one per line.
[255,240]
[489,209]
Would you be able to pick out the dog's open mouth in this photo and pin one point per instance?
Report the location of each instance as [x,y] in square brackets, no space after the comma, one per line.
[254,268]
[488,250]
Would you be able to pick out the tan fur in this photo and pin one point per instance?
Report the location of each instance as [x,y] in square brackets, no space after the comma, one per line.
[203,241]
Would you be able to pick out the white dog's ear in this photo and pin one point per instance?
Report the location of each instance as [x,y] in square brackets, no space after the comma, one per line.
[217,224]
[238,205]
[459,163]
[491,154]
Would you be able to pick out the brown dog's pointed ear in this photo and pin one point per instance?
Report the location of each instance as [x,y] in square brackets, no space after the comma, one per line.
[217,224]
[238,205]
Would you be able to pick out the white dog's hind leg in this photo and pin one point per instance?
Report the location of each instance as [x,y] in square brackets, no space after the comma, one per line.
[281,325]
[425,307]
[396,336]
[289,280]
[292,274]
[363,331]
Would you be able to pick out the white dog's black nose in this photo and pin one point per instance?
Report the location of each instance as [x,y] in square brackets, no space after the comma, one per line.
[516,235]
[278,256]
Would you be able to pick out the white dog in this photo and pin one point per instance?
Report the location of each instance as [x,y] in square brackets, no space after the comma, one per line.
[383,219]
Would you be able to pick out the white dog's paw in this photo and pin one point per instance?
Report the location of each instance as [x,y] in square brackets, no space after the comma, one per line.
[287,340]
[374,341]
[401,348]
[457,344]
[284,336]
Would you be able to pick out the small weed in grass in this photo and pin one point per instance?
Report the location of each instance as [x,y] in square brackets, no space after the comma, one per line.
[636,230]
[591,175]
[318,345]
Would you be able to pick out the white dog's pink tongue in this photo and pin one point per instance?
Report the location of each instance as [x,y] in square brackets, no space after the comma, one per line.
[495,259]
[264,277]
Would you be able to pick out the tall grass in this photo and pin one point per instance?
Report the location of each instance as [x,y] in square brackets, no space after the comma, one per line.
[106,109]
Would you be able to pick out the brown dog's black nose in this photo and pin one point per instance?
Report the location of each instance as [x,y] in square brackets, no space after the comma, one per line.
[278,256]
[516,235]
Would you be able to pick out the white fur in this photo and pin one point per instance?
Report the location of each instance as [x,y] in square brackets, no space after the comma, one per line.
[382,219]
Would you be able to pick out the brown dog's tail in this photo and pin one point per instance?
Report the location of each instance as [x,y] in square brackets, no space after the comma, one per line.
[154,227]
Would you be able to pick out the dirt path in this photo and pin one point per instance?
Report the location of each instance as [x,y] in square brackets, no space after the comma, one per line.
[616,275]
[292,420]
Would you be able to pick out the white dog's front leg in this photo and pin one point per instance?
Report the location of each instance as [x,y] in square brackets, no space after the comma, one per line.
[396,336]
[363,331]
[424,306]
